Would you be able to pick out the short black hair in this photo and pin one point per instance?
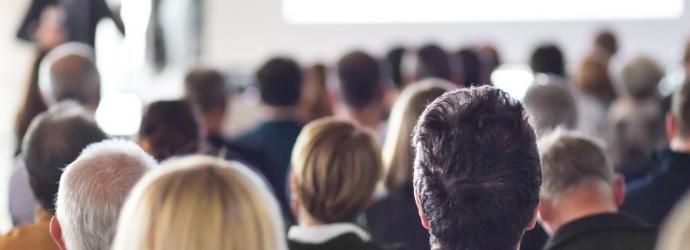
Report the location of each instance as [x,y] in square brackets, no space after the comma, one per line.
[55,139]
[477,170]
[433,61]
[360,79]
[280,82]
[548,59]
[394,57]
[206,90]
[471,65]
[171,129]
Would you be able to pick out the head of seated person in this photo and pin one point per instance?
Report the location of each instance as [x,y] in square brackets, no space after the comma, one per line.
[428,61]
[476,171]
[92,191]
[678,120]
[398,156]
[54,139]
[578,180]
[207,93]
[279,81]
[550,106]
[362,88]
[686,58]
[170,128]
[548,59]
[592,78]
[470,67]
[641,77]
[336,166]
[68,72]
[674,232]
[200,202]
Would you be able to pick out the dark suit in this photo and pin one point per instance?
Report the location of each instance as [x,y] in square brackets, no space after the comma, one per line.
[652,201]
[394,219]
[348,241]
[274,140]
[607,231]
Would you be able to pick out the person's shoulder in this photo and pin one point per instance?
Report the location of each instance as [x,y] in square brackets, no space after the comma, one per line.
[30,236]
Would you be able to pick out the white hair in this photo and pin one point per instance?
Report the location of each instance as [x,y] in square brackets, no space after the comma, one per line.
[93,189]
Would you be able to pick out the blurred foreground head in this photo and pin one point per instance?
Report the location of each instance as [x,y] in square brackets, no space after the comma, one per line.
[68,72]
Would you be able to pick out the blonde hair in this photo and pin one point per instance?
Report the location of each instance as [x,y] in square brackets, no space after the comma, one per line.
[674,233]
[336,166]
[200,203]
[397,150]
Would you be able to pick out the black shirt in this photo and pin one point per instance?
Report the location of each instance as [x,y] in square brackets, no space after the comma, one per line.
[654,200]
[394,220]
[347,241]
[606,231]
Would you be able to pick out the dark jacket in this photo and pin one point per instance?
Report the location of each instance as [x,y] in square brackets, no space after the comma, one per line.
[607,231]
[348,241]
[652,201]
[394,219]
[274,141]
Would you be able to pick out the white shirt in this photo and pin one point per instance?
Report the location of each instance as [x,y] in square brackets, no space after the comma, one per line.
[323,233]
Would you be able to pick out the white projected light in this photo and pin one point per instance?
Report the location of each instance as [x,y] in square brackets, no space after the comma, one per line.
[429,11]
[119,114]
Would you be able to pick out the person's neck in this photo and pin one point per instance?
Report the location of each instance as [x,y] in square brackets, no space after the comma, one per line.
[581,202]
[281,113]
[369,117]
[680,145]
[304,219]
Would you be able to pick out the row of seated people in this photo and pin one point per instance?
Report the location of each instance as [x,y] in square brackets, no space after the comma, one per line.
[171,128]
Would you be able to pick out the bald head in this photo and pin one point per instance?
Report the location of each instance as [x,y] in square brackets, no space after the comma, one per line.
[69,72]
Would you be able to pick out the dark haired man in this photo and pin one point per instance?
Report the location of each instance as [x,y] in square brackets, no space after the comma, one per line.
[280,83]
[654,200]
[476,172]
[362,89]
[548,59]
[54,139]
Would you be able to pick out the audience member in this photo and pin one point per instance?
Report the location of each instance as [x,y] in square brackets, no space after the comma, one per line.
[550,106]
[394,218]
[674,233]
[476,171]
[69,72]
[653,200]
[490,59]
[394,57]
[200,203]
[170,128]
[54,139]
[92,191]
[686,58]
[641,77]
[429,61]
[605,47]
[280,84]
[470,67]
[207,92]
[336,166]
[315,100]
[580,195]
[548,59]
[592,78]
[362,89]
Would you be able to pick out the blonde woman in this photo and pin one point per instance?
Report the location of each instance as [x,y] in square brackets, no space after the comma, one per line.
[200,203]
[394,219]
[675,234]
[335,168]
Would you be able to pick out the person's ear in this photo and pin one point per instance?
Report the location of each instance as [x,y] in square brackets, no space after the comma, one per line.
[420,211]
[56,233]
[533,222]
[670,126]
[619,190]
[545,214]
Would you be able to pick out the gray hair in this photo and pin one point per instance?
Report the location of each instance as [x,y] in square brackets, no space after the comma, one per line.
[69,72]
[93,190]
[550,106]
[569,160]
[641,78]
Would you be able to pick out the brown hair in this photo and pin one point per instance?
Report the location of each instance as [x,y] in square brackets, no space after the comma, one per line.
[680,109]
[336,166]
[314,103]
[593,78]
[205,90]
[32,105]
[169,128]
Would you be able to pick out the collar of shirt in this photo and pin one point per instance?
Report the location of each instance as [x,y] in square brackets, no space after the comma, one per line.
[323,233]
